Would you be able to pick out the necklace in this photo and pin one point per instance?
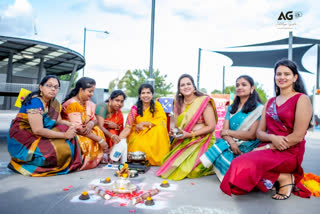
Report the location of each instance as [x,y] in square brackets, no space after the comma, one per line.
[187,104]
[45,104]
[84,107]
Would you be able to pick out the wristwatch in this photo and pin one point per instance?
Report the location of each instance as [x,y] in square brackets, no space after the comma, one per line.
[268,146]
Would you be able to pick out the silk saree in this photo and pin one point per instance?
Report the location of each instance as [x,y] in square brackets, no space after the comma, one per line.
[183,159]
[33,155]
[91,151]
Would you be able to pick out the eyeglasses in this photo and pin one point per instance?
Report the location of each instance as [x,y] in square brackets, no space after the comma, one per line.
[55,87]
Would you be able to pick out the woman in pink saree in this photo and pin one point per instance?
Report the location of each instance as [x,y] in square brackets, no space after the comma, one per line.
[195,116]
[284,123]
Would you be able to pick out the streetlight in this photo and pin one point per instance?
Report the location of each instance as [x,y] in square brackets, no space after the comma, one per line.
[151,79]
[84,42]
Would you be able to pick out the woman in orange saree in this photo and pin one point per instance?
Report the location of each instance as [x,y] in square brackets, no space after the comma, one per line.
[110,117]
[195,116]
[79,110]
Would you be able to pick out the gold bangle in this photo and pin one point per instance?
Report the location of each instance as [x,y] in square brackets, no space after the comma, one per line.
[193,135]
[101,141]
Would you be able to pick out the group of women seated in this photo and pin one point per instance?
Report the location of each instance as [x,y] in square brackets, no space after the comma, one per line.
[261,147]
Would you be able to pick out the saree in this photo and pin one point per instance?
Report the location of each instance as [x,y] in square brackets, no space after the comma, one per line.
[259,170]
[91,151]
[153,141]
[220,154]
[33,155]
[116,117]
[183,159]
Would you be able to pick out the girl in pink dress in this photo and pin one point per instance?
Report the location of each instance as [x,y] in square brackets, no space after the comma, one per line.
[284,123]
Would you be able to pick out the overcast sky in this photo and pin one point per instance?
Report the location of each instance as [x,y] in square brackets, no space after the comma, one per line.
[181,28]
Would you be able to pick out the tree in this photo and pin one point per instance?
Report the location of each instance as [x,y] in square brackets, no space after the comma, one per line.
[261,92]
[133,79]
[67,77]
[258,87]
[216,91]
[203,90]
[230,89]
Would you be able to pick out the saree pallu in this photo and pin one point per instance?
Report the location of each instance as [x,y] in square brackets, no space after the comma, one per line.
[183,160]
[116,117]
[37,156]
[261,169]
[220,154]
[91,151]
[153,141]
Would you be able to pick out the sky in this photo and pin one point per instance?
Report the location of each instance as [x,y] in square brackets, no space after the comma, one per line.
[181,28]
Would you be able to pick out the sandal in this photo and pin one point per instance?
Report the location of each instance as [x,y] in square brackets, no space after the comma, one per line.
[284,196]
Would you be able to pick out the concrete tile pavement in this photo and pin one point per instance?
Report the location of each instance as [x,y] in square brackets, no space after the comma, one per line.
[45,195]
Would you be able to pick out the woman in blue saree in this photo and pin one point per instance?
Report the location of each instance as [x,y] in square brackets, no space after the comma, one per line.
[39,141]
[239,128]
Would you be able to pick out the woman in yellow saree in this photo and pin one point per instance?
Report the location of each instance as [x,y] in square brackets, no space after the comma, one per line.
[146,127]
[195,116]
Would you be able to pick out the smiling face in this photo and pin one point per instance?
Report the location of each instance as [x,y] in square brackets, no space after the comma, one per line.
[116,103]
[146,95]
[186,87]
[243,88]
[87,93]
[284,77]
[50,89]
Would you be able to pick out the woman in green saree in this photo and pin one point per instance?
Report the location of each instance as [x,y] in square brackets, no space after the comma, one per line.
[196,116]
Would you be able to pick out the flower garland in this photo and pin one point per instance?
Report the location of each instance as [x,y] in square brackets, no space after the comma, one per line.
[312,183]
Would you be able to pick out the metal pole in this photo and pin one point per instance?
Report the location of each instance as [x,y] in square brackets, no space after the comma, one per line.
[290,46]
[199,61]
[40,75]
[151,81]
[7,99]
[84,48]
[223,79]
[75,66]
[318,67]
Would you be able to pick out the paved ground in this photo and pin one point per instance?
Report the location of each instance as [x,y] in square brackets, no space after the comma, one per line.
[19,194]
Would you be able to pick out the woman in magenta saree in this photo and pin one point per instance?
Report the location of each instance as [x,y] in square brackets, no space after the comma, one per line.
[282,128]
[195,115]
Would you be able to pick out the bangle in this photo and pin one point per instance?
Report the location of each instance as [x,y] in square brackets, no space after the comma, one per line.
[101,141]
[193,134]
[112,136]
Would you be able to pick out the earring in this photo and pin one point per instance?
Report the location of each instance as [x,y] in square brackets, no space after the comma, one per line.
[195,91]
[41,94]
[180,95]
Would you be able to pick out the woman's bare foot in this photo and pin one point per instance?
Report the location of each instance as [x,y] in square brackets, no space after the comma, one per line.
[286,184]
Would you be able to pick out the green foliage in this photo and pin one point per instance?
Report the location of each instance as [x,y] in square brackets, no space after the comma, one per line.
[67,77]
[230,90]
[203,90]
[132,80]
[216,91]
[261,92]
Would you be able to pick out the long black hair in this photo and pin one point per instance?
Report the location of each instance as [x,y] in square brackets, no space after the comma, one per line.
[180,97]
[252,101]
[298,86]
[37,93]
[83,82]
[116,93]
[139,102]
